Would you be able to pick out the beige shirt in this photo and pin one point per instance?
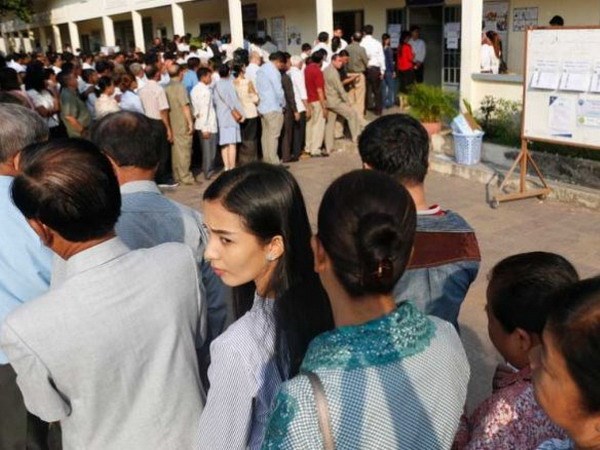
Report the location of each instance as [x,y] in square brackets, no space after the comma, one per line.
[334,89]
[248,97]
[153,99]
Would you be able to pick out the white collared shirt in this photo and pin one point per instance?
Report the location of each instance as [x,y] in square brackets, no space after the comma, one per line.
[299,85]
[204,109]
[419,49]
[374,51]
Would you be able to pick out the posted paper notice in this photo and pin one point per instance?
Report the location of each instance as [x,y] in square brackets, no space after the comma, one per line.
[588,112]
[561,116]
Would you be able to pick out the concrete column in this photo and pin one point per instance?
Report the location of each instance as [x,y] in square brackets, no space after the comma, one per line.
[57,39]
[26,36]
[3,45]
[138,31]
[324,16]
[236,24]
[74,36]
[109,31]
[43,38]
[470,59]
[178,22]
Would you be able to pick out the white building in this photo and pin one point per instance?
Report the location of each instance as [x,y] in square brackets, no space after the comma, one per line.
[453,50]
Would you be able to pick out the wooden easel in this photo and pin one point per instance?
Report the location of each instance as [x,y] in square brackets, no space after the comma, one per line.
[522,161]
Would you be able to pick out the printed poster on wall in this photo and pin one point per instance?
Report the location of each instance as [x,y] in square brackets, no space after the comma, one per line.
[495,18]
[278,32]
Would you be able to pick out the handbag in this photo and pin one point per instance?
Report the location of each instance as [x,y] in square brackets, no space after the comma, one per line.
[237,116]
[322,410]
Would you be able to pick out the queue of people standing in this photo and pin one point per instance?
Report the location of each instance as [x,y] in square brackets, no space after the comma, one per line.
[250,104]
[113,298]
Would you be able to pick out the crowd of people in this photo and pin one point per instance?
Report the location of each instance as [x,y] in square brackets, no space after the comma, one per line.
[253,102]
[114,298]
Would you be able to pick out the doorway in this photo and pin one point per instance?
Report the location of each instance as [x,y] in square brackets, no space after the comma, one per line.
[349,21]
[430,20]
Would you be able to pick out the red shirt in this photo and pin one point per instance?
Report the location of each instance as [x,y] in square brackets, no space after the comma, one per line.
[405,58]
[314,80]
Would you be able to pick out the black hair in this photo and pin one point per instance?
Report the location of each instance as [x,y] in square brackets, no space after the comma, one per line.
[414,28]
[306,46]
[224,70]
[103,66]
[151,71]
[323,36]
[336,43]
[557,21]
[520,285]
[9,79]
[35,77]
[398,145]
[343,53]
[103,84]
[357,36]
[403,36]
[368,29]
[193,63]
[323,52]
[68,67]
[70,186]
[203,71]
[87,74]
[316,57]
[574,324]
[277,56]
[384,36]
[270,203]
[128,138]
[367,225]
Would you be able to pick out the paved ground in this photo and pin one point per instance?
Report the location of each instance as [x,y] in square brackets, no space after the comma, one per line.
[513,228]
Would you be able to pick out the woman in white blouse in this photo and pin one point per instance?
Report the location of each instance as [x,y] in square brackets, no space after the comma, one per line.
[105,104]
[129,99]
[43,97]
[259,244]
[490,63]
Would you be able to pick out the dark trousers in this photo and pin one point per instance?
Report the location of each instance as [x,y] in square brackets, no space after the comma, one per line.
[162,146]
[407,79]
[374,98]
[287,133]
[248,151]
[299,139]
[18,428]
[419,73]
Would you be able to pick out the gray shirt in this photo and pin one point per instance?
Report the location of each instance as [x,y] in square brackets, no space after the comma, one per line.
[110,352]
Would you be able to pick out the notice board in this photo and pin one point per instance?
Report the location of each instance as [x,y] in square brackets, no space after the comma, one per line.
[561,101]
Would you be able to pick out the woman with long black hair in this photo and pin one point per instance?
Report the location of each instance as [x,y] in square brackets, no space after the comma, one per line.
[259,243]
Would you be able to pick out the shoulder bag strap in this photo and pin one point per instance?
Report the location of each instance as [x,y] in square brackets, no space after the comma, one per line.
[322,410]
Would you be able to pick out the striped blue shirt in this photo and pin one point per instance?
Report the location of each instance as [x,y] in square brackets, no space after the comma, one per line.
[244,379]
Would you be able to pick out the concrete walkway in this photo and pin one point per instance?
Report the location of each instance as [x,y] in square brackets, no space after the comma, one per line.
[515,227]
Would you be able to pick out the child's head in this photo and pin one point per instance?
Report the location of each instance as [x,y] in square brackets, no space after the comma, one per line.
[517,305]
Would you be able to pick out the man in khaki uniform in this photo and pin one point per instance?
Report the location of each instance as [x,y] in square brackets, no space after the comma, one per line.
[338,103]
[182,126]
[357,65]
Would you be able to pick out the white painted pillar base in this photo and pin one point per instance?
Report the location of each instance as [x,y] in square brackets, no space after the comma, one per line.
[57,39]
[325,16]
[74,36]
[178,22]
[26,36]
[3,47]
[470,56]
[109,31]
[138,31]
[236,23]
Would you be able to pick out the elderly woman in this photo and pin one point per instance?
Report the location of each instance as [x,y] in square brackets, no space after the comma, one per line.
[229,115]
[129,99]
[566,367]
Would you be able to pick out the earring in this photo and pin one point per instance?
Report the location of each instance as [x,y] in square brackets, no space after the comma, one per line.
[270,258]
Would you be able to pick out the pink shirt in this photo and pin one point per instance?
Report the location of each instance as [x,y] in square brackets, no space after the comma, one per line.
[509,418]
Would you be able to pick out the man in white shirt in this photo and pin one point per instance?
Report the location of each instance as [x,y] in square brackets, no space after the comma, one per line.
[375,70]
[323,43]
[420,51]
[140,77]
[339,33]
[253,66]
[202,54]
[205,119]
[301,98]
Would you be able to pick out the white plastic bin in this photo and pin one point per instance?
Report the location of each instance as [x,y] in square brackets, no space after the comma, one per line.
[467,147]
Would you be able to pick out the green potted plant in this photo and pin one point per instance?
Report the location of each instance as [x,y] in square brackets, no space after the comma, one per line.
[431,105]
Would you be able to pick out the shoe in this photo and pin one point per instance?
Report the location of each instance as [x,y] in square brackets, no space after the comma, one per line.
[294,159]
[209,175]
[168,185]
[324,154]
[305,155]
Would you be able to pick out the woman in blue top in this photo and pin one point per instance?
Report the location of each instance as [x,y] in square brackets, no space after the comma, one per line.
[392,377]
[227,104]
[259,243]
